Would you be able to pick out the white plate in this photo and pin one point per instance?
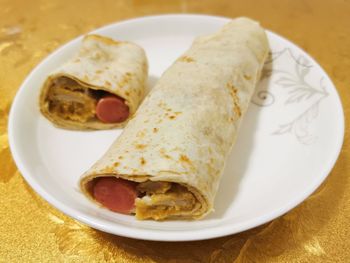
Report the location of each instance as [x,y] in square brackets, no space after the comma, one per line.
[288,143]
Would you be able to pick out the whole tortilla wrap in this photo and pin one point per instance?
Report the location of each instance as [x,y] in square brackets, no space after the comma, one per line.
[185,128]
[102,64]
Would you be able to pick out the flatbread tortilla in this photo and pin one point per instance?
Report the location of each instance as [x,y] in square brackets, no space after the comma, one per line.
[102,67]
[177,144]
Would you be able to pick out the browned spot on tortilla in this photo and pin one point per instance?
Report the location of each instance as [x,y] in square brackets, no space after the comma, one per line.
[172,117]
[116,164]
[184,158]
[142,161]
[210,169]
[233,92]
[176,149]
[186,162]
[140,134]
[98,71]
[186,59]
[108,170]
[144,66]
[161,104]
[247,77]
[229,86]
[77,60]
[125,79]
[127,93]
[155,130]
[164,154]
[141,146]
[107,83]
[120,157]
[237,109]
[219,139]
[207,130]
[168,109]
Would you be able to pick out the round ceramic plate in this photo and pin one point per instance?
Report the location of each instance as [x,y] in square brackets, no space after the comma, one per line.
[288,142]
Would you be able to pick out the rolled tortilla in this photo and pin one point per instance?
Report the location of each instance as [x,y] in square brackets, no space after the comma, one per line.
[70,96]
[176,146]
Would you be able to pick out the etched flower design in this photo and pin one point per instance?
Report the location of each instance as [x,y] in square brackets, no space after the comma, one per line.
[298,89]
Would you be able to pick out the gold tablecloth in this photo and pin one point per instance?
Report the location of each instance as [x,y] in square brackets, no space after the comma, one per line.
[31,230]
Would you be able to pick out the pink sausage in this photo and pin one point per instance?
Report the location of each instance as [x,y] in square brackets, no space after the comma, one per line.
[112,109]
[115,194]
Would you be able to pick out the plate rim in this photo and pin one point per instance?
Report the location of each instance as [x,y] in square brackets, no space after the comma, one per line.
[158,234]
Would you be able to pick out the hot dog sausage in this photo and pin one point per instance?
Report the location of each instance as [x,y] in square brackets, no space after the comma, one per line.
[111,109]
[115,194]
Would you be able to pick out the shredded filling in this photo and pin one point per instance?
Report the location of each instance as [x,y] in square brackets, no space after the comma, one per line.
[162,200]
[70,101]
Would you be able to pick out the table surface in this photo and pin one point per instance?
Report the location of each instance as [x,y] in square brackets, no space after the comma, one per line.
[33,231]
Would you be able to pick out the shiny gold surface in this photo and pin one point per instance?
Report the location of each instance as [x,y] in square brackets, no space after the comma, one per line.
[31,230]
